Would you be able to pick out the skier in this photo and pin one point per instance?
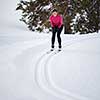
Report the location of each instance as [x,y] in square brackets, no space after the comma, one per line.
[56,21]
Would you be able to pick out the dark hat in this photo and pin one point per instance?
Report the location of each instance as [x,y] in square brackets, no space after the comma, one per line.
[54,10]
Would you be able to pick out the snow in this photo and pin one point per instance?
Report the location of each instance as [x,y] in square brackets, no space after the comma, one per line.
[27,72]
[48,6]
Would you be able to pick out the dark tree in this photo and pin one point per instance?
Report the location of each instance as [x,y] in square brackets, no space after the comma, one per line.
[88,20]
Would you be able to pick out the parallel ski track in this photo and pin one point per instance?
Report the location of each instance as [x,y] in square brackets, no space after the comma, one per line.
[42,74]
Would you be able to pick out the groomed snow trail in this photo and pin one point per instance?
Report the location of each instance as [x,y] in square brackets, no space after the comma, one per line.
[42,76]
[25,69]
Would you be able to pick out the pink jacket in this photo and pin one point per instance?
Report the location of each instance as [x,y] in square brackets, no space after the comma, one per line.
[56,21]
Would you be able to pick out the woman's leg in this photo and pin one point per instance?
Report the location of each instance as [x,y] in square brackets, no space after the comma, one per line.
[54,30]
[58,36]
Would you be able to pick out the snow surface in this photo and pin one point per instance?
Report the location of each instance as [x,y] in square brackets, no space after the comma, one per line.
[27,72]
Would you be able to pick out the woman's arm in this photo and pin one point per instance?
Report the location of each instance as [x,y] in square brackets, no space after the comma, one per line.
[50,19]
[61,21]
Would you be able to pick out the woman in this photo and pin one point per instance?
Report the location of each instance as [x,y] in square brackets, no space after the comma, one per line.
[56,21]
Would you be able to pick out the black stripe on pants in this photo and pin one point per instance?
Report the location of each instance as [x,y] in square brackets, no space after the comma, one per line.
[58,31]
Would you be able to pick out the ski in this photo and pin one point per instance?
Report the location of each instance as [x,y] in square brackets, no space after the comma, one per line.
[56,52]
[48,52]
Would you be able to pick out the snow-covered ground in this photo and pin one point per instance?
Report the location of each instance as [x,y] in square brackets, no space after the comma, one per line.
[27,72]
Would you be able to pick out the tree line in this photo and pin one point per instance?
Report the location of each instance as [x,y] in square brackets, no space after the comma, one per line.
[81,16]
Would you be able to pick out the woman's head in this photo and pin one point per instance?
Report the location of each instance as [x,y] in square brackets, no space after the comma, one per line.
[54,12]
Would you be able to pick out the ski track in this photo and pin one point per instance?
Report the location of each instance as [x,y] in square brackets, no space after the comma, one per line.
[27,55]
[42,76]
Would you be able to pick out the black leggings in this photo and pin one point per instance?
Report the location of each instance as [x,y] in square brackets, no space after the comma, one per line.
[58,31]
